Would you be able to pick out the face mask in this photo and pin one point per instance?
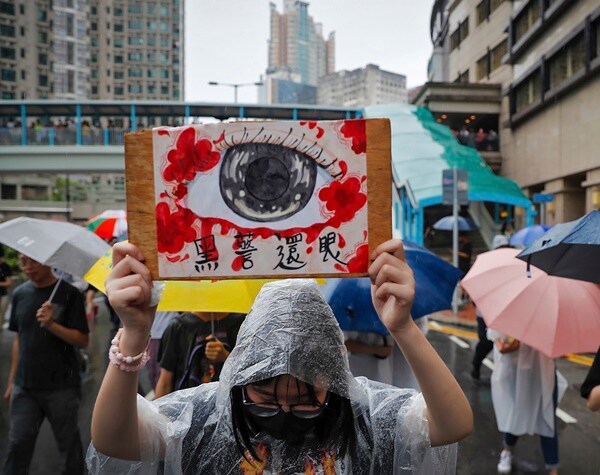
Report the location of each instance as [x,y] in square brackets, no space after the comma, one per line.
[284,425]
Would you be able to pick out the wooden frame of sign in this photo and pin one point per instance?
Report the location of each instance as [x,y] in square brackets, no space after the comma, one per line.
[142,202]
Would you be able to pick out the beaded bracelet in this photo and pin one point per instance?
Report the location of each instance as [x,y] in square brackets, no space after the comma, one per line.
[127,363]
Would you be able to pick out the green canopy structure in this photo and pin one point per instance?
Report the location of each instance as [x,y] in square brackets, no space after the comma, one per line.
[421,149]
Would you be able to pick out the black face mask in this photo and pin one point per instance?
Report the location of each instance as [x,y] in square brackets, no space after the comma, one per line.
[284,425]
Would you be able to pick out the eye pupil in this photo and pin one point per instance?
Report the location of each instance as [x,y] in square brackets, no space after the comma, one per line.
[267,179]
[266,182]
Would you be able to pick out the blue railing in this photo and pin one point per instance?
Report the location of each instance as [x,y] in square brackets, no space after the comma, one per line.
[61,136]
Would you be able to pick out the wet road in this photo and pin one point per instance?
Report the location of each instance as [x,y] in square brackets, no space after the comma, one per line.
[478,454]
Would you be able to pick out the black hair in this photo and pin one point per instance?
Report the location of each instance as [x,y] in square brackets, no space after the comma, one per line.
[334,431]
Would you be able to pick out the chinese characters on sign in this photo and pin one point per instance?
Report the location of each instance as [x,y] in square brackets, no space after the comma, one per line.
[261,198]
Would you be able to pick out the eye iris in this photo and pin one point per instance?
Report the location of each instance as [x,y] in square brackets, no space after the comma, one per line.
[266,182]
[267,179]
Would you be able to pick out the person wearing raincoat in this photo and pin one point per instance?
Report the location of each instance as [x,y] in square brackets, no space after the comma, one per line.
[286,401]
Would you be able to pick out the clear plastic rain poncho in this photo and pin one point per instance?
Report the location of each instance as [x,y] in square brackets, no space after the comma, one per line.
[290,330]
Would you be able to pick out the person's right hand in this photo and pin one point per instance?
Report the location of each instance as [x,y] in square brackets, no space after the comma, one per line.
[8,392]
[128,287]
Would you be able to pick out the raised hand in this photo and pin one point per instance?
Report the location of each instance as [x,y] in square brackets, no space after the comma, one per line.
[128,287]
[392,285]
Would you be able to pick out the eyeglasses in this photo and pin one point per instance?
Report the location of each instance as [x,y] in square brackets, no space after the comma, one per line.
[270,409]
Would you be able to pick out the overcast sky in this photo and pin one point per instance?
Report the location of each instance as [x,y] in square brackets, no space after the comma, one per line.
[226,41]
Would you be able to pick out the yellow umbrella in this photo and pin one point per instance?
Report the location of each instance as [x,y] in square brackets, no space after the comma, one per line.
[192,296]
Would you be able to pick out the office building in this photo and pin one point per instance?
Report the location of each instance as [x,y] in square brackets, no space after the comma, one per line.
[362,87]
[298,55]
[519,81]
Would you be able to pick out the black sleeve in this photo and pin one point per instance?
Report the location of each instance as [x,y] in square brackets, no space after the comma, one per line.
[76,311]
[13,324]
[593,377]
[167,351]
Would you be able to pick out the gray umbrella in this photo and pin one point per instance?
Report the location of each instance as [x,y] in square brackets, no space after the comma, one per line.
[569,250]
[65,246]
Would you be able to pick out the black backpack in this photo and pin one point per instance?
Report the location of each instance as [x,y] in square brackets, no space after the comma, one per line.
[194,367]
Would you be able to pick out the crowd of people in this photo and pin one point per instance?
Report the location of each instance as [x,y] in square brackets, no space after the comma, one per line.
[480,139]
[272,391]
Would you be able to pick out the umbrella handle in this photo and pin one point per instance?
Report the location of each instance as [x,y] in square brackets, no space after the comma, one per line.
[529,266]
[55,287]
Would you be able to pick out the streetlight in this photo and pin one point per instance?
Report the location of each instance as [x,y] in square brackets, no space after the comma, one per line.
[235,87]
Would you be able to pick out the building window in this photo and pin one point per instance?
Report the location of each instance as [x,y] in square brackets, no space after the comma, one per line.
[135,24]
[70,53]
[528,92]
[23,74]
[118,59]
[151,25]
[463,78]
[497,54]
[118,90]
[118,42]
[151,89]
[94,26]
[42,37]
[118,11]
[151,73]
[134,72]
[94,89]
[459,35]
[566,62]
[7,53]
[135,88]
[8,75]
[483,66]
[164,90]
[135,56]
[7,30]
[94,74]
[7,8]
[164,74]
[41,15]
[119,74]
[495,4]
[42,58]
[71,81]
[70,25]
[42,80]
[526,19]
[483,11]
[135,8]
[118,27]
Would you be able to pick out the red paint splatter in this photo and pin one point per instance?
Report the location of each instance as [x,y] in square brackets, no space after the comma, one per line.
[173,258]
[341,241]
[309,250]
[356,130]
[189,157]
[344,168]
[180,191]
[340,267]
[311,124]
[237,263]
[173,230]
[164,132]
[344,198]
[360,261]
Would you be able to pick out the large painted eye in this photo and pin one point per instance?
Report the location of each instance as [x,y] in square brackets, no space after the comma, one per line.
[266,182]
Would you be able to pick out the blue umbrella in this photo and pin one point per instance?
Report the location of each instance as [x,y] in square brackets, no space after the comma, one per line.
[447,224]
[524,237]
[435,280]
[569,250]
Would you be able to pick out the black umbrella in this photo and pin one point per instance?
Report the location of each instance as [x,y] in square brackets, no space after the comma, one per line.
[569,250]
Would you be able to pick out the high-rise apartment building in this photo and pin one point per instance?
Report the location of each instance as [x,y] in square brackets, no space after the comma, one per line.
[362,87]
[95,49]
[44,49]
[298,54]
[136,49]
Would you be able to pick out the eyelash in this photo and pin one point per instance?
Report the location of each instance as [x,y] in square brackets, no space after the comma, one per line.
[295,145]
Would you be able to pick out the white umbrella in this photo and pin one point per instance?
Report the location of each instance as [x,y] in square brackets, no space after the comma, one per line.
[64,246]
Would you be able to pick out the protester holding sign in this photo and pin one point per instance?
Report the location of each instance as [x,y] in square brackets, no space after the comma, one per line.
[286,401]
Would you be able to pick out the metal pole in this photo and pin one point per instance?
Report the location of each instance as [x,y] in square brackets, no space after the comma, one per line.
[455,233]
[235,93]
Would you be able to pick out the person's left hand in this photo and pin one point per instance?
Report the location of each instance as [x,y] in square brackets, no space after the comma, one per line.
[392,285]
[215,350]
[44,315]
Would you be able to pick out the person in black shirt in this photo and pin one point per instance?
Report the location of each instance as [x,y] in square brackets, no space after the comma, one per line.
[190,354]
[44,380]
[590,389]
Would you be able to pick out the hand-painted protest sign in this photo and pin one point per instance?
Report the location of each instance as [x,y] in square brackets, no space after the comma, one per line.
[259,199]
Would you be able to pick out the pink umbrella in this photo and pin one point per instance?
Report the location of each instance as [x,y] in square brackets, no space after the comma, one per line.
[552,314]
